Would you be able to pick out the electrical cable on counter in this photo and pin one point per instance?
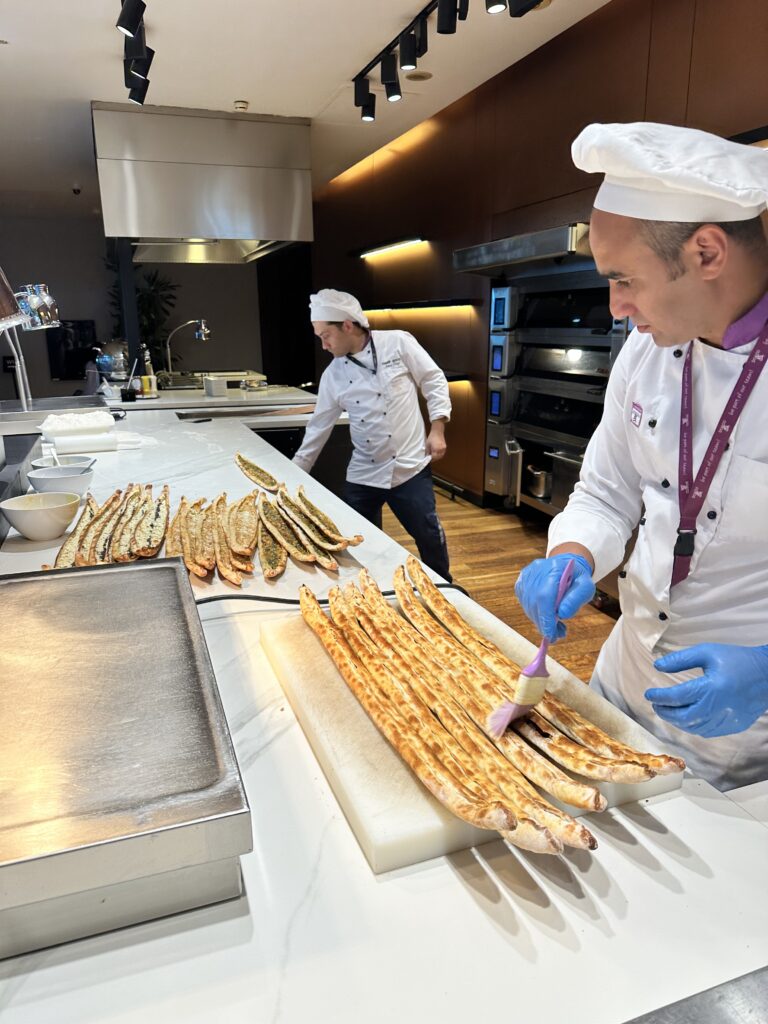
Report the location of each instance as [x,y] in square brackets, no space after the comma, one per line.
[294,601]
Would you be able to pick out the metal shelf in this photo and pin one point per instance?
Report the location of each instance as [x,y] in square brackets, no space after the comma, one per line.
[542,506]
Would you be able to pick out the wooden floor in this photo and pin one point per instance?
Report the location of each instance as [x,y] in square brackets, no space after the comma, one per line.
[488,548]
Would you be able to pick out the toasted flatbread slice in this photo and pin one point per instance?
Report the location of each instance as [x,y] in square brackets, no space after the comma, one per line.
[257,474]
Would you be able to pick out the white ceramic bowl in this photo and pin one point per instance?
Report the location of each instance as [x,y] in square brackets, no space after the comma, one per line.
[41,516]
[65,460]
[60,478]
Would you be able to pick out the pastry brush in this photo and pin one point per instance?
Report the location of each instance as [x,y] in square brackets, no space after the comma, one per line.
[532,681]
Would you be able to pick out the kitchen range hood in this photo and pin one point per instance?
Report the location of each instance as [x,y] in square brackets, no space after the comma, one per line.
[201,186]
[566,247]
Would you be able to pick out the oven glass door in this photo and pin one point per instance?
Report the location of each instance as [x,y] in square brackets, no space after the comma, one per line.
[583,363]
[557,414]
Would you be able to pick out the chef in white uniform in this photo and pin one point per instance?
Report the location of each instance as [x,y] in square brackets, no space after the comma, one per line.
[374,377]
[681,452]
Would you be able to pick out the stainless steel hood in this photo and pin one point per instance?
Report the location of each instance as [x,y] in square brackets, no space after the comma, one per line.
[568,245]
[201,186]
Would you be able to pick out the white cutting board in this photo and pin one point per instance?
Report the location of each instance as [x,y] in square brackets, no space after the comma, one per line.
[395,820]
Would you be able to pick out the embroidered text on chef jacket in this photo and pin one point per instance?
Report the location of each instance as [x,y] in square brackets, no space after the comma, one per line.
[386,425]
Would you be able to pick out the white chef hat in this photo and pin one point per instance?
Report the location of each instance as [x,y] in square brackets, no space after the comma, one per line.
[332,306]
[663,172]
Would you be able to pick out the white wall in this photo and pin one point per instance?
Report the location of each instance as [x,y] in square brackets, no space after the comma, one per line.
[68,255]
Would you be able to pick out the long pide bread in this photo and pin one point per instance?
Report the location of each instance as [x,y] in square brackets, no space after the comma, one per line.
[521,763]
[103,548]
[542,734]
[257,474]
[206,555]
[173,536]
[475,642]
[583,731]
[223,557]
[417,718]
[187,549]
[244,523]
[150,532]
[565,718]
[443,786]
[478,753]
[326,524]
[282,531]
[272,556]
[90,533]
[65,558]
[308,526]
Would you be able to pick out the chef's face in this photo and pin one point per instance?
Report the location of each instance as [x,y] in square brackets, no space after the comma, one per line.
[660,301]
[338,339]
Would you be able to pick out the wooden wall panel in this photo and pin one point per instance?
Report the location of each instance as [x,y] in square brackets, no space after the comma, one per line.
[596,71]
[669,61]
[729,66]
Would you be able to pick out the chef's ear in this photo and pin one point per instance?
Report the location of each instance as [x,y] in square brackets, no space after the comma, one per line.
[708,246]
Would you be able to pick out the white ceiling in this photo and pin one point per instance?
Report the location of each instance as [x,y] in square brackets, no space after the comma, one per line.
[285,57]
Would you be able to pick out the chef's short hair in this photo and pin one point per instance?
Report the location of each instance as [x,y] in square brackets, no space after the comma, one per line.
[666,238]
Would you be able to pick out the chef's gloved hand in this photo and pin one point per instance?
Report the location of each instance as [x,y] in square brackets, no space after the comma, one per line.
[729,697]
[536,590]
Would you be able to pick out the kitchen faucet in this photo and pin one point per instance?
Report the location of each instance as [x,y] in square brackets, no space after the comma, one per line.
[202,333]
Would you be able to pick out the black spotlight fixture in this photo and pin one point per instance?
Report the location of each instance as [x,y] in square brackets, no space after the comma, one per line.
[463,10]
[368,109]
[517,8]
[495,6]
[135,46]
[140,65]
[129,78]
[131,15]
[422,39]
[362,91]
[408,51]
[446,17]
[388,69]
[393,91]
[139,92]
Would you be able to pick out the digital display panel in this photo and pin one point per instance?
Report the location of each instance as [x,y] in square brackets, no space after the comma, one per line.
[495,403]
[493,453]
[497,357]
[499,312]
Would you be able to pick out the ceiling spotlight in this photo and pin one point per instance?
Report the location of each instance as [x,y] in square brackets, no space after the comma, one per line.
[130,16]
[517,8]
[408,51]
[135,46]
[138,92]
[362,91]
[141,65]
[495,6]
[446,17]
[463,10]
[368,110]
[422,42]
[388,69]
[393,91]
[129,78]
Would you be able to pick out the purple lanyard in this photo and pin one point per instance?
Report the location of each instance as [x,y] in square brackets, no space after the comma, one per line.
[693,493]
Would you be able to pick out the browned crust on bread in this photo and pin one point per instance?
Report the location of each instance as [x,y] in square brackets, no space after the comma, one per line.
[431,771]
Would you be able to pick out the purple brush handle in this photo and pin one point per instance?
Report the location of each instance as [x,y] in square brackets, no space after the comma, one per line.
[538,666]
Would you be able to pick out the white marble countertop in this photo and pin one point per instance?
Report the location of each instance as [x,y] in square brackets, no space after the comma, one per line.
[196,398]
[671,903]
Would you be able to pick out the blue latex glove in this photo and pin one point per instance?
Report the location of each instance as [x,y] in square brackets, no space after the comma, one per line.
[729,697]
[536,589]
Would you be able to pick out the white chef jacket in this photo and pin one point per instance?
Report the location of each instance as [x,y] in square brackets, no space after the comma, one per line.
[631,471]
[385,422]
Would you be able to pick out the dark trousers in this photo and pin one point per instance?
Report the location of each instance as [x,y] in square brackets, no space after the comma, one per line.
[414,505]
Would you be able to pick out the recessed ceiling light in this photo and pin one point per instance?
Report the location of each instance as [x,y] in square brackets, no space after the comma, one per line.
[419,76]
[3,42]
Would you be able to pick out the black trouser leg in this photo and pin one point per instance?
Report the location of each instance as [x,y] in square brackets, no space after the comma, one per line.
[414,505]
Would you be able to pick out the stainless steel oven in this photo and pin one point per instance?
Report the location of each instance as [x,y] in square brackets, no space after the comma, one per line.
[503,462]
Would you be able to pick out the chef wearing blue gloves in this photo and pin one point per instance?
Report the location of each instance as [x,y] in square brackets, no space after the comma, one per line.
[681,452]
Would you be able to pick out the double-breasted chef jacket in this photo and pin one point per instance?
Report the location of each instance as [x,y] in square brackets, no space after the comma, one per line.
[385,422]
[630,479]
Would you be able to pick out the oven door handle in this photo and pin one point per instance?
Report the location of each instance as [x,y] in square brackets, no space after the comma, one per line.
[515,451]
[564,458]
